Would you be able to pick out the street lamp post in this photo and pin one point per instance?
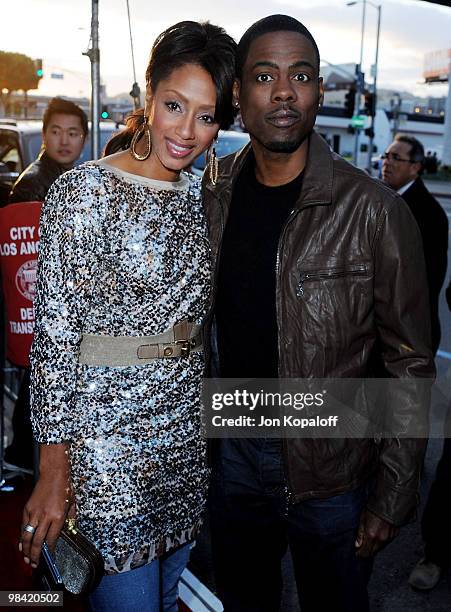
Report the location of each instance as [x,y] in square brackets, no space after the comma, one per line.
[373,111]
[360,84]
[94,55]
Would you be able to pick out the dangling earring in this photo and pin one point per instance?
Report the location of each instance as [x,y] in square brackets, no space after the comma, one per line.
[213,166]
[146,129]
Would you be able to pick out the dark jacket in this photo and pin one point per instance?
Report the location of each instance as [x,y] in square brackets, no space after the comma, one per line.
[34,182]
[433,224]
[353,247]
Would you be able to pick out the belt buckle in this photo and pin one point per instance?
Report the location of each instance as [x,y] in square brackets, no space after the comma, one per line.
[186,346]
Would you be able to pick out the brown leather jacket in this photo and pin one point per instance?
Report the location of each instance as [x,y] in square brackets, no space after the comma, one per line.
[350,272]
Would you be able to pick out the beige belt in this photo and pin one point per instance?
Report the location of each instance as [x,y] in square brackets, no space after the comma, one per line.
[116,351]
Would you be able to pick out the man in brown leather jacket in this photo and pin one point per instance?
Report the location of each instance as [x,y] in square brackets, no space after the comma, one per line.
[316,265]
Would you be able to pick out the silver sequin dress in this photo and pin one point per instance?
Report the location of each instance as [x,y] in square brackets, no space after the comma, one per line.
[123,255]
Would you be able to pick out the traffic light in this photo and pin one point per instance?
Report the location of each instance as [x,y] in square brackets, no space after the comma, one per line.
[105,114]
[369,105]
[38,68]
[350,102]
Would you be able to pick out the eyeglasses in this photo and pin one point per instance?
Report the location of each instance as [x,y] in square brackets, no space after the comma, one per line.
[395,157]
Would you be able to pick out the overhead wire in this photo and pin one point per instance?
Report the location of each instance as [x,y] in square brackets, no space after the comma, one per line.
[135,92]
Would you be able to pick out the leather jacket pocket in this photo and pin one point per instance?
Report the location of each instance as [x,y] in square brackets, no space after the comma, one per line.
[326,274]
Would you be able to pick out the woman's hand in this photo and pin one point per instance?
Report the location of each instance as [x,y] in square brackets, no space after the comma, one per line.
[46,510]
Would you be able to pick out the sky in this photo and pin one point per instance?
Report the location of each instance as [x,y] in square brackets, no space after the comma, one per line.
[58,31]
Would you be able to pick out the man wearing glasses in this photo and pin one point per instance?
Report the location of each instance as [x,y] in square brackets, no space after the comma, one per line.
[64,130]
[401,169]
[402,166]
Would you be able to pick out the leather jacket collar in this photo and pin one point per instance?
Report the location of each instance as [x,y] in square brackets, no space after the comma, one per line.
[52,165]
[318,175]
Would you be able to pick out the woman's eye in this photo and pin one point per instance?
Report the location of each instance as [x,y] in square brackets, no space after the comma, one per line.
[173,106]
[264,78]
[207,119]
[301,76]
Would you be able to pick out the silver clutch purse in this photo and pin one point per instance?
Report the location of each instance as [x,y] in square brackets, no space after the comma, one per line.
[79,562]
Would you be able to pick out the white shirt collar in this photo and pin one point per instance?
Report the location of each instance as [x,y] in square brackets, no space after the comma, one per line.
[405,187]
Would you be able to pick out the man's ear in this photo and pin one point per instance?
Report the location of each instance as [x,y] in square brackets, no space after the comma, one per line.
[321,91]
[236,93]
[416,169]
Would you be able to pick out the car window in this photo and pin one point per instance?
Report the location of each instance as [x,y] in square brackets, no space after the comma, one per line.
[34,146]
[225,146]
[10,160]
[227,143]
[105,136]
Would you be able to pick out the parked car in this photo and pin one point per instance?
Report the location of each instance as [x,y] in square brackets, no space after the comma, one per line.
[20,143]
[228,142]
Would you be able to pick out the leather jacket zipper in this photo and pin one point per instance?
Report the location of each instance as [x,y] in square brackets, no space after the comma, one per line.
[282,235]
[289,497]
[328,274]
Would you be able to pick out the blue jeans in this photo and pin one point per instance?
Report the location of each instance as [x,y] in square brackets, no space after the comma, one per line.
[152,587]
[252,526]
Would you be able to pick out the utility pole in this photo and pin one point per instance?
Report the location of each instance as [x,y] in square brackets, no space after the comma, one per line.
[360,86]
[373,115]
[396,109]
[135,92]
[446,156]
[94,55]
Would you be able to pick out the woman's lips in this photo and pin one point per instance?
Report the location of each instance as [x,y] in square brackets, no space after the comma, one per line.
[176,150]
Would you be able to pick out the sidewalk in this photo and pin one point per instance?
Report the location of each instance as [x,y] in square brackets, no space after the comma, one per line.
[440,189]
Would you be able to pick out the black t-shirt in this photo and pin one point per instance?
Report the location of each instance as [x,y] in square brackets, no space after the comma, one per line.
[246,296]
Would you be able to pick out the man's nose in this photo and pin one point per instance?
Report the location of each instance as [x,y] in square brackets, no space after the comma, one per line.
[64,137]
[284,90]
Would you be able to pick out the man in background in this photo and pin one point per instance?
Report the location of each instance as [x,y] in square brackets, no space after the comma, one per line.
[64,130]
[403,163]
[402,166]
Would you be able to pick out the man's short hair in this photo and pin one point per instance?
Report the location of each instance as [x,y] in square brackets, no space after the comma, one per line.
[273,23]
[416,148]
[66,107]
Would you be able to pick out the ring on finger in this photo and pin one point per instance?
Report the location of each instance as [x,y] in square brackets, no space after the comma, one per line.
[29,528]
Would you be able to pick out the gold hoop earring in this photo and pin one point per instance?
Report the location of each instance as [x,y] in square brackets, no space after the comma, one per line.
[136,136]
[213,166]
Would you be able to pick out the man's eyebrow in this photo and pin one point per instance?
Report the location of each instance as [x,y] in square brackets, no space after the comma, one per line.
[303,63]
[60,127]
[267,63]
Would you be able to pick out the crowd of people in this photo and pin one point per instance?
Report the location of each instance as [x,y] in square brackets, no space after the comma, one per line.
[284,261]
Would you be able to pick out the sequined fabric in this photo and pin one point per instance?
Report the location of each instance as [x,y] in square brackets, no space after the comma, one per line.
[123,255]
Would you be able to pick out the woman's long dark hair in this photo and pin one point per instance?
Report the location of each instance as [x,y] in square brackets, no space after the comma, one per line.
[187,42]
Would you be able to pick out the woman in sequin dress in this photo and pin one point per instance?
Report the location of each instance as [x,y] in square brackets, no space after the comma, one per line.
[124,258]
